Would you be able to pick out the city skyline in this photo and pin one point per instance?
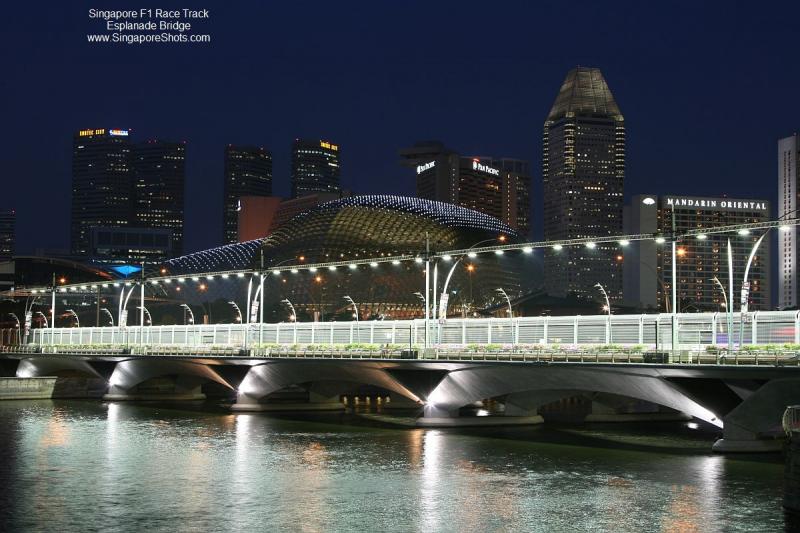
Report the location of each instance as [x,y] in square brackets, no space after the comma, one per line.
[386,96]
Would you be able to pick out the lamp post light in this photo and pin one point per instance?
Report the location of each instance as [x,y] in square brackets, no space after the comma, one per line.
[74,314]
[44,317]
[145,312]
[238,311]
[607,308]
[188,309]
[16,319]
[728,311]
[110,316]
[355,308]
[293,316]
[510,312]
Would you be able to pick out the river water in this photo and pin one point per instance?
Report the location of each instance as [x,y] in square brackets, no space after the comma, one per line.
[91,466]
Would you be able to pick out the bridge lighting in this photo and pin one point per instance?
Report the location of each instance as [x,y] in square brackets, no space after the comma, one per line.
[557,247]
[168,280]
[785,228]
[128,283]
[240,275]
[63,289]
[293,271]
[92,286]
[680,252]
[276,272]
[116,284]
[332,268]
[312,269]
[447,257]
[224,276]
[302,258]
[470,268]
[591,245]
[373,264]
[395,262]
[660,240]
[209,278]
[181,280]
[498,252]
[418,260]
[702,236]
[195,278]
[502,238]
[105,285]
[744,231]
[527,249]
[202,286]
[472,255]
[62,280]
[153,282]
[318,279]
[352,266]
[84,287]
[624,242]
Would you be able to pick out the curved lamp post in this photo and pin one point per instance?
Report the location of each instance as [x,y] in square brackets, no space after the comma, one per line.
[110,316]
[191,314]
[44,317]
[510,312]
[608,308]
[355,308]
[238,311]
[74,314]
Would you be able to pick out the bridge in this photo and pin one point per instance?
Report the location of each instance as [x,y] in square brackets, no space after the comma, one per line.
[439,369]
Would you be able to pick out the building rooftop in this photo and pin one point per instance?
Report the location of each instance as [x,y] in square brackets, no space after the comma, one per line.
[584,92]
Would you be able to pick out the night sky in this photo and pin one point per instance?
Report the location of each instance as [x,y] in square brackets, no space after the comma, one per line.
[706,91]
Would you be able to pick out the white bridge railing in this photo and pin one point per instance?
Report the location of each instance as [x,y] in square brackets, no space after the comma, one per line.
[652,331]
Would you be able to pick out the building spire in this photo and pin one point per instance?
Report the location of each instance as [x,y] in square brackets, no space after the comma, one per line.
[584,92]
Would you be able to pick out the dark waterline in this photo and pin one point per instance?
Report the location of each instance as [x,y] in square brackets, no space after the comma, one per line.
[91,466]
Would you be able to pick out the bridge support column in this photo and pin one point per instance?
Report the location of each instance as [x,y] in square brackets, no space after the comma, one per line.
[398,401]
[158,390]
[611,408]
[316,402]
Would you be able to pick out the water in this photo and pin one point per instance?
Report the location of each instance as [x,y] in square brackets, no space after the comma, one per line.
[90,466]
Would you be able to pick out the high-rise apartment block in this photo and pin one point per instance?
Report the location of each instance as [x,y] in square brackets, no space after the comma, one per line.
[248,172]
[499,187]
[315,167]
[788,206]
[7,234]
[583,170]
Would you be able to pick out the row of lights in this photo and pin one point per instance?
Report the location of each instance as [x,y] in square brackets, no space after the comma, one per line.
[354,266]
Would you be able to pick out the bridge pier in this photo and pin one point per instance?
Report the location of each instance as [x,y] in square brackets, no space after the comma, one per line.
[157,389]
[315,402]
[613,408]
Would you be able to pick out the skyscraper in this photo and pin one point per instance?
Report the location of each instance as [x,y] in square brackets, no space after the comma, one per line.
[160,178]
[315,167]
[788,205]
[102,188]
[7,234]
[496,186]
[248,172]
[583,169]
[648,266]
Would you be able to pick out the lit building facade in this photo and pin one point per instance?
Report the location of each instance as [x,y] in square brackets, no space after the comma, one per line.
[499,187]
[788,205]
[160,179]
[8,223]
[583,171]
[102,184]
[373,226]
[248,172]
[121,245]
[315,167]
[648,266]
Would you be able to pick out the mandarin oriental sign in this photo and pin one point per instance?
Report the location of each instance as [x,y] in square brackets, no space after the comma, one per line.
[426,166]
[477,165]
[728,204]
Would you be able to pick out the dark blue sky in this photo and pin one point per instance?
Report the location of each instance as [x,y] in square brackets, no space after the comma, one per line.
[706,91]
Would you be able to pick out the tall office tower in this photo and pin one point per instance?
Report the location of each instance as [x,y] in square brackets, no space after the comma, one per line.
[160,178]
[583,169]
[248,172]
[315,167]
[648,265]
[499,187]
[7,239]
[102,188]
[788,205]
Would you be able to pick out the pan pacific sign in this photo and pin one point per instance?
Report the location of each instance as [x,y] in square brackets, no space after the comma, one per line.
[725,204]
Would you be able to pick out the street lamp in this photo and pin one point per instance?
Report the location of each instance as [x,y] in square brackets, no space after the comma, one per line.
[188,309]
[510,312]
[238,311]
[355,308]
[607,308]
[145,311]
[728,310]
[293,316]
[110,316]
[73,313]
[44,317]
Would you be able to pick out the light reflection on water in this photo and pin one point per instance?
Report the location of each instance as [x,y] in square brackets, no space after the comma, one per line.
[123,467]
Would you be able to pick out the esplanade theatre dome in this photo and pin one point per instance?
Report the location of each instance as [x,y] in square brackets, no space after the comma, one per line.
[372,226]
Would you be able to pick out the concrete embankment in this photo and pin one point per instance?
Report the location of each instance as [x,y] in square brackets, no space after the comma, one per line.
[13,388]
